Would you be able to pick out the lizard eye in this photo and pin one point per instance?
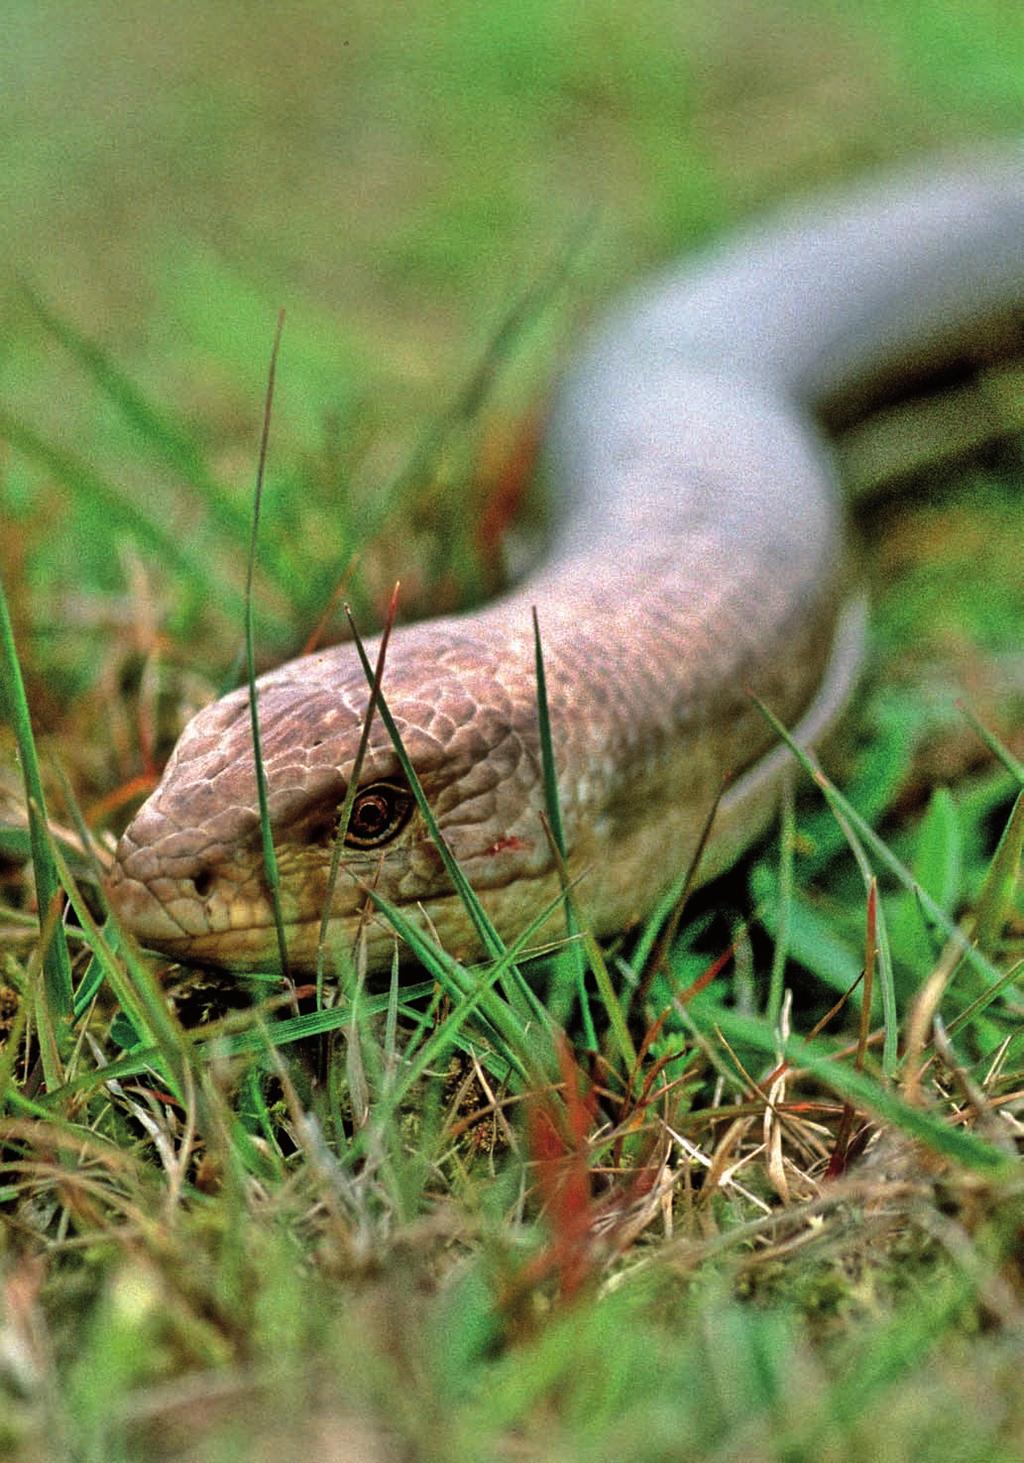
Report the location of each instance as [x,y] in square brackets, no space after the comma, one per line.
[379,812]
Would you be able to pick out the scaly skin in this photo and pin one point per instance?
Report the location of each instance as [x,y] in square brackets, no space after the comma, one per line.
[700,555]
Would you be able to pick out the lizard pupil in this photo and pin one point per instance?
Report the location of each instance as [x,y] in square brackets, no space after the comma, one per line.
[373,816]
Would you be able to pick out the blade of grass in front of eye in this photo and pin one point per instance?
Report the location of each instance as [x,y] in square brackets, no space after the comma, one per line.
[266,833]
[517,990]
[572,957]
[344,817]
[56,961]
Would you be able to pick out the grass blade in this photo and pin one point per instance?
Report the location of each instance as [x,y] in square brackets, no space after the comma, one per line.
[780,950]
[887,982]
[136,990]
[344,817]
[56,962]
[996,898]
[1002,754]
[221,1039]
[266,834]
[574,953]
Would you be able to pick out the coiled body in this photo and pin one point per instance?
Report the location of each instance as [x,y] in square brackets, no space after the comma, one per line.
[698,555]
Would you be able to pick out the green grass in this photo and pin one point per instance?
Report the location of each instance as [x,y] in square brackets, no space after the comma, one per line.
[749,1205]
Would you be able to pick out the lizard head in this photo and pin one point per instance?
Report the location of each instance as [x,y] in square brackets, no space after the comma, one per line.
[189,876]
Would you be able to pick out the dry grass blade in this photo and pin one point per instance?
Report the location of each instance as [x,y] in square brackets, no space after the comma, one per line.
[824,1063]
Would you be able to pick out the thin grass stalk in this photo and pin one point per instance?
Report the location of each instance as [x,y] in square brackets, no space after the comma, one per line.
[49,1028]
[780,951]
[996,898]
[609,999]
[344,817]
[266,834]
[662,927]
[505,1021]
[220,1039]
[870,953]
[139,997]
[507,1028]
[980,1003]
[839,804]
[995,746]
[138,994]
[574,953]
[93,978]
[56,961]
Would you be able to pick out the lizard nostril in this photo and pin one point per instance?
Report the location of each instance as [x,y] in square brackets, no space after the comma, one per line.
[203,882]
